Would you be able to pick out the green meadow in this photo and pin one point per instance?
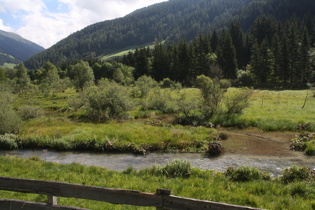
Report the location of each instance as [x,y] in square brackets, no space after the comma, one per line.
[62,127]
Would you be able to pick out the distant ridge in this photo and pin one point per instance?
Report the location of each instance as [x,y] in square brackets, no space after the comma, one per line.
[15,48]
[167,21]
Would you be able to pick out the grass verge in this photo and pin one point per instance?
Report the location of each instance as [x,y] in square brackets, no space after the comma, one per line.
[205,185]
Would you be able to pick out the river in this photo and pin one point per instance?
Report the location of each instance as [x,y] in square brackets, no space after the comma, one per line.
[119,162]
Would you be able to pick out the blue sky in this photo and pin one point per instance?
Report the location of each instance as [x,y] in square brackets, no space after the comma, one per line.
[46,22]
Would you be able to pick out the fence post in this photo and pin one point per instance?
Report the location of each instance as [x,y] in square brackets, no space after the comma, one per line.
[52,200]
[162,192]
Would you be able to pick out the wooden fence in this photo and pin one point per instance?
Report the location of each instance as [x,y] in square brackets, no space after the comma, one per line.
[161,200]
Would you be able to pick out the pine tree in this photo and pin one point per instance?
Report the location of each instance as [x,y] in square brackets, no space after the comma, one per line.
[238,42]
[22,79]
[227,57]
[160,63]
[305,57]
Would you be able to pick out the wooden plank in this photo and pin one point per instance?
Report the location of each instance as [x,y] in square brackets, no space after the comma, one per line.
[174,202]
[114,196]
[52,200]
[25,205]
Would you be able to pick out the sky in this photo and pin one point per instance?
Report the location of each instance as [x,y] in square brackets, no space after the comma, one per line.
[46,22]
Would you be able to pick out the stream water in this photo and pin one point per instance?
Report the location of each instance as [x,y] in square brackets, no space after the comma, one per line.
[120,162]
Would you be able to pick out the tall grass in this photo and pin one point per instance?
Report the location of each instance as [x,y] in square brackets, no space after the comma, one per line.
[113,137]
[205,185]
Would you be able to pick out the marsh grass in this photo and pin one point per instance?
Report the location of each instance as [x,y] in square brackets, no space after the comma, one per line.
[112,136]
[206,185]
[149,130]
[281,110]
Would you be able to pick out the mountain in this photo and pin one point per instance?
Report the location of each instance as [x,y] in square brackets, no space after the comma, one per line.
[167,21]
[14,48]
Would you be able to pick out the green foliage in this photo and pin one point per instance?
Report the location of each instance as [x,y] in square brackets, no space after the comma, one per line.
[8,142]
[161,100]
[245,174]
[10,122]
[244,78]
[174,169]
[168,83]
[236,100]
[212,92]
[108,100]
[48,79]
[22,80]
[298,143]
[295,174]
[82,75]
[310,148]
[143,86]
[29,112]
[3,77]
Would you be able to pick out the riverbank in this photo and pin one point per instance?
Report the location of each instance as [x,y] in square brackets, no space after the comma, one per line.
[200,184]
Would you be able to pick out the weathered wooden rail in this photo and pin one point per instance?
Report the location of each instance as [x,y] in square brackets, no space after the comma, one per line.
[161,200]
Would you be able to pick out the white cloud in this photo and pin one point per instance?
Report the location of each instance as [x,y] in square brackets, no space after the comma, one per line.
[42,26]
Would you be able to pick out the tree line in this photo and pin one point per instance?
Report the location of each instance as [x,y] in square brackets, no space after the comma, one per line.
[272,54]
[168,21]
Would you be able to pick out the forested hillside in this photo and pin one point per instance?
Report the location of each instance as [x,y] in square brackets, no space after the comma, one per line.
[172,20]
[14,48]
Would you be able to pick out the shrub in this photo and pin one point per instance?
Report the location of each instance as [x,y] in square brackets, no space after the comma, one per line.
[310,148]
[161,100]
[212,92]
[236,100]
[10,122]
[295,173]
[29,112]
[8,142]
[143,86]
[223,136]
[174,169]
[215,148]
[245,173]
[300,140]
[109,100]
[178,168]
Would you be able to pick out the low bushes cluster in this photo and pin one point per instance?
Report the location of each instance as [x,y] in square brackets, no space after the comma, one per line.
[215,148]
[304,142]
[8,142]
[296,173]
[176,168]
[29,112]
[246,173]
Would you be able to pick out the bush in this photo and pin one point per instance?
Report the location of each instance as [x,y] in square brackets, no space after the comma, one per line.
[300,140]
[109,100]
[295,173]
[10,122]
[8,142]
[310,148]
[161,100]
[143,86]
[29,112]
[215,148]
[167,83]
[174,169]
[236,100]
[245,173]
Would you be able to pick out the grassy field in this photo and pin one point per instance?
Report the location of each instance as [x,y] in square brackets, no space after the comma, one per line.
[64,128]
[282,110]
[205,185]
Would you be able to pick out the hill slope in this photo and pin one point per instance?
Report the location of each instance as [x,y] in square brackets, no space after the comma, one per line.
[14,48]
[170,20]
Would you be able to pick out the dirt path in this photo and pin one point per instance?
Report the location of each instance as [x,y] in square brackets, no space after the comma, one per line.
[254,141]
